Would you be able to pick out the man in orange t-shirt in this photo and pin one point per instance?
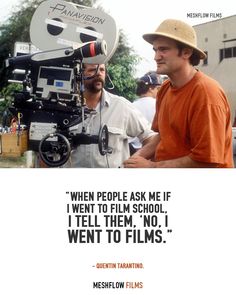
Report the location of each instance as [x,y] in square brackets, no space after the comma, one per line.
[193,114]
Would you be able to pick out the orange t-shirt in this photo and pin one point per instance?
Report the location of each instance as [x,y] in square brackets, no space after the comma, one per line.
[194,121]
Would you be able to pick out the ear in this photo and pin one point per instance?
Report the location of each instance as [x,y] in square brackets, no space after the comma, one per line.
[187,52]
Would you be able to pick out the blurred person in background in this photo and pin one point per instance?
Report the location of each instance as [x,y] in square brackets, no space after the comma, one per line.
[146,90]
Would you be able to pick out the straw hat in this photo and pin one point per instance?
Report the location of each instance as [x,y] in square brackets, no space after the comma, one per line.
[177,30]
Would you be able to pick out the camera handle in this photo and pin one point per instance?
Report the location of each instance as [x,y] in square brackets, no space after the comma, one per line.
[54,149]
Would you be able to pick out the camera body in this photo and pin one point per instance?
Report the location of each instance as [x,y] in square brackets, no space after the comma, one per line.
[51,101]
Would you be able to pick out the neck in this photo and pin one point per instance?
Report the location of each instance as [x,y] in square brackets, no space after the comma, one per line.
[92,99]
[150,93]
[182,77]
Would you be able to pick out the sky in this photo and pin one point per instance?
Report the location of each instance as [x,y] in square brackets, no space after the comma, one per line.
[136,18]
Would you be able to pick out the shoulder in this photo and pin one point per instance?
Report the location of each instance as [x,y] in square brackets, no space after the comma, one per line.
[113,99]
[203,80]
[147,100]
[207,86]
[207,91]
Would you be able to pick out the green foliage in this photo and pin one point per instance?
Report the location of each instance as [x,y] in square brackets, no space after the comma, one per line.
[17,27]
[121,69]
[6,95]
[8,91]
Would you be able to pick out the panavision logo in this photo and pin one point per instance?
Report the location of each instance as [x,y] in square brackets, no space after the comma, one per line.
[63,10]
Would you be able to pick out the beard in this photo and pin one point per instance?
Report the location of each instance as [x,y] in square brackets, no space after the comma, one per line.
[94,85]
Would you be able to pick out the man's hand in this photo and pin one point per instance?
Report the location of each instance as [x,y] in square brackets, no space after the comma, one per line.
[138,162]
[184,162]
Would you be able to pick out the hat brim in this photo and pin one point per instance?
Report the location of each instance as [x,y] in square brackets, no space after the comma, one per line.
[150,37]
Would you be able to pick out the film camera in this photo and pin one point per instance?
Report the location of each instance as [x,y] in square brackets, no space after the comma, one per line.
[51,100]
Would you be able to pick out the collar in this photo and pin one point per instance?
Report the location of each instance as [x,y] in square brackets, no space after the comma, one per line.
[105,99]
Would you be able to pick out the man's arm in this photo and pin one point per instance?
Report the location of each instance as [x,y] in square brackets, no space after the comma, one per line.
[141,159]
[184,162]
[149,147]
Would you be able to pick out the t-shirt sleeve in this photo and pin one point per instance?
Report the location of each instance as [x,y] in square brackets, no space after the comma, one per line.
[208,125]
